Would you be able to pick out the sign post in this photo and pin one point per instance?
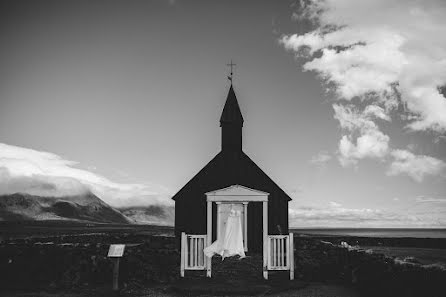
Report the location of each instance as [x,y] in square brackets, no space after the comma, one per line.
[116,251]
[116,274]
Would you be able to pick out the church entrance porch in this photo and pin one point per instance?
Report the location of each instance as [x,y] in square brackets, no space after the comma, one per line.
[241,195]
[277,250]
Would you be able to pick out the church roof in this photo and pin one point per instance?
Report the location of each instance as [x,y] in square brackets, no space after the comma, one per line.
[231,112]
[225,170]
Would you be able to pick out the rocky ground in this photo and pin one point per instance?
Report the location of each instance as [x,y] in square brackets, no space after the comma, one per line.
[76,265]
[314,289]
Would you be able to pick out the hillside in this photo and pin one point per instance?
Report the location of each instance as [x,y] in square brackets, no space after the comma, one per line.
[152,215]
[87,207]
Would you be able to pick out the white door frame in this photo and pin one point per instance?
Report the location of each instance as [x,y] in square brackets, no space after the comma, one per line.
[238,194]
[245,221]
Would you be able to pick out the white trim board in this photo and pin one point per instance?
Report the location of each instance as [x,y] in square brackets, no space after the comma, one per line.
[237,193]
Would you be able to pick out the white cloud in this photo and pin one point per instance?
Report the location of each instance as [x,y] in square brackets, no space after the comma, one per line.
[320,160]
[373,144]
[400,55]
[374,111]
[415,166]
[352,119]
[334,204]
[336,215]
[377,67]
[424,199]
[47,174]
[364,139]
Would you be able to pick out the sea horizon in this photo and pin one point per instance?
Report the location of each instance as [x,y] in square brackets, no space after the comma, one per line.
[374,232]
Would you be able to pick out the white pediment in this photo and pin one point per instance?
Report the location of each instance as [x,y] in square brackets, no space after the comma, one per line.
[237,193]
[237,190]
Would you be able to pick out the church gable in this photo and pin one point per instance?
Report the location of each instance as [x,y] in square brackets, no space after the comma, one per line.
[236,190]
[227,170]
[237,193]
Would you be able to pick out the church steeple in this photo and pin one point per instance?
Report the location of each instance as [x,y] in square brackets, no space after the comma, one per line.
[231,123]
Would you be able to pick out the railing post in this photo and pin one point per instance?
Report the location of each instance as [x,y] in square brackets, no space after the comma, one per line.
[195,252]
[183,248]
[281,253]
[189,251]
[209,237]
[274,252]
[265,240]
[291,256]
[200,253]
[245,225]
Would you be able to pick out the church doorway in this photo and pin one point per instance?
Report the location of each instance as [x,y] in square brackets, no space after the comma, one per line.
[246,201]
[223,212]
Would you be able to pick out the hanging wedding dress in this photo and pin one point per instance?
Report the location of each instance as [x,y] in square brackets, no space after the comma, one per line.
[232,242]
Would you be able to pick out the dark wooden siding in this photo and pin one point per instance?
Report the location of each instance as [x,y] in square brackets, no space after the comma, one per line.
[223,171]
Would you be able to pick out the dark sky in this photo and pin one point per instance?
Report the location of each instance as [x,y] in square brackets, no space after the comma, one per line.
[133,91]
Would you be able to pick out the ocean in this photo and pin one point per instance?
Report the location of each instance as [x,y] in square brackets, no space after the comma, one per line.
[420,253]
[374,232]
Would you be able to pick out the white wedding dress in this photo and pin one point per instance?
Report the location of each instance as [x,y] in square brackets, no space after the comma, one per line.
[232,242]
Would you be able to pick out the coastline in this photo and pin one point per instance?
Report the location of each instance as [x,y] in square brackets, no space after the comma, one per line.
[404,249]
[374,232]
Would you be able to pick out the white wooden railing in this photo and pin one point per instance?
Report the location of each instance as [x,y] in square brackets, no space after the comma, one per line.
[281,253]
[192,256]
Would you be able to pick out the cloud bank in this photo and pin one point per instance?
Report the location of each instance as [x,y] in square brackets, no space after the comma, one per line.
[336,215]
[321,159]
[380,58]
[47,174]
[364,140]
[424,199]
[415,166]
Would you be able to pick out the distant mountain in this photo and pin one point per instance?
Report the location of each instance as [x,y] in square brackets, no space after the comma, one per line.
[87,207]
[152,215]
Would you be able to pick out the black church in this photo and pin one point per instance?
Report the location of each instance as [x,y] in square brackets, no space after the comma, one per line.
[235,178]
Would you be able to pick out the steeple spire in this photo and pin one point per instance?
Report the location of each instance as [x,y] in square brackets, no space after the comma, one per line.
[231,111]
[231,123]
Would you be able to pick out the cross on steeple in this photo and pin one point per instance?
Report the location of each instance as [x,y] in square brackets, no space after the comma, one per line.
[232,73]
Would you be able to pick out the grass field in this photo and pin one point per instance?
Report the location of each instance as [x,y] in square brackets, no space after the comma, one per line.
[151,261]
[32,229]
